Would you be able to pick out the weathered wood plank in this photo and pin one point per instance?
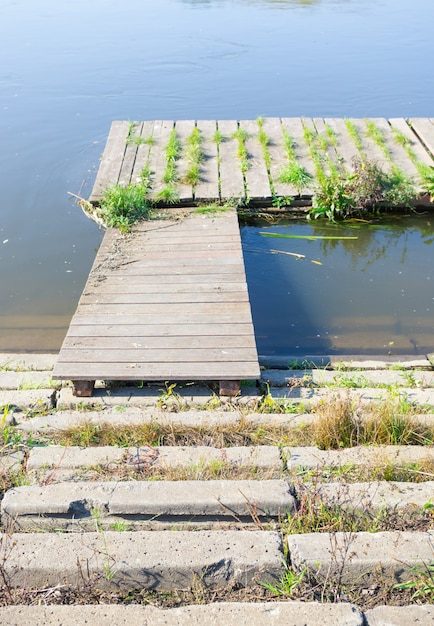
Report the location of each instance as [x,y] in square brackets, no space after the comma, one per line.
[144,150]
[166,298]
[197,270]
[158,355]
[207,188]
[398,154]
[231,177]
[346,148]
[87,319]
[111,161]
[178,279]
[418,148]
[199,290]
[372,151]
[257,181]
[184,129]
[331,152]
[294,127]
[424,127]
[130,155]
[158,371]
[177,309]
[157,158]
[162,330]
[125,343]
[276,148]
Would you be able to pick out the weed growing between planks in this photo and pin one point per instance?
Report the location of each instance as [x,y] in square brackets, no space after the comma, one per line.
[194,157]
[168,193]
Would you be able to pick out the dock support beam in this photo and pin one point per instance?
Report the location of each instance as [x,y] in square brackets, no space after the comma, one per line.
[83,388]
[230,388]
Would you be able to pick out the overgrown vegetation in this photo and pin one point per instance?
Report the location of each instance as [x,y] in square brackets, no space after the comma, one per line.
[194,157]
[241,136]
[121,207]
[367,188]
[168,193]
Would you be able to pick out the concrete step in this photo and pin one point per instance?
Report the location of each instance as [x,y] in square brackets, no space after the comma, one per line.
[220,613]
[159,560]
[65,463]
[357,378]
[22,361]
[309,457]
[374,496]
[40,399]
[21,381]
[345,362]
[400,615]
[83,505]
[361,558]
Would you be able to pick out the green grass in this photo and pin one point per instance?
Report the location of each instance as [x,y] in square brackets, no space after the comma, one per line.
[194,157]
[121,206]
[214,208]
[168,194]
[376,134]
[287,585]
[421,584]
[172,152]
[218,137]
[241,136]
[355,136]
[311,140]
[132,138]
[293,173]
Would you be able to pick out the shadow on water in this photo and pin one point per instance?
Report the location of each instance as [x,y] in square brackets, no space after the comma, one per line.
[372,293]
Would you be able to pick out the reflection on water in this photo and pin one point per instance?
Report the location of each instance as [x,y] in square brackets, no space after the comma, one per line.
[69,68]
[371,294]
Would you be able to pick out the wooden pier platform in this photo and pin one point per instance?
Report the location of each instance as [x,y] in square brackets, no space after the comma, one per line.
[168,301]
[130,147]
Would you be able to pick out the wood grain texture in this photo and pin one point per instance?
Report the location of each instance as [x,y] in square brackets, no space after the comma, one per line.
[257,181]
[424,128]
[111,160]
[164,312]
[207,188]
[231,176]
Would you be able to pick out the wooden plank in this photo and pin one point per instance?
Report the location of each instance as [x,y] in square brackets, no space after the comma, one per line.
[195,270]
[182,259]
[207,188]
[399,155]
[231,176]
[177,309]
[418,148]
[157,157]
[257,181]
[157,355]
[184,245]
[177,279]
[294,127]
[113,343]
[160,330]
[158,371]
[332,154]
[346,149]
[276,148]
[167,298]
[372,151]
[104,318]
[143,151]
[184,129]
[111,161]
[130,156]
[424,128]
[198,290]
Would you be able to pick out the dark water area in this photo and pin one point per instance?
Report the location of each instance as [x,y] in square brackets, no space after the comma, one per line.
[371,294]
[69,68]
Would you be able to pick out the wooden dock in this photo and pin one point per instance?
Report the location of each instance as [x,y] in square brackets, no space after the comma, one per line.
[168,301]
[404,144]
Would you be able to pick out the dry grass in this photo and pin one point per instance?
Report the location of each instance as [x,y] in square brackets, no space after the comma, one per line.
[240,433]
[419,472]
[344,423]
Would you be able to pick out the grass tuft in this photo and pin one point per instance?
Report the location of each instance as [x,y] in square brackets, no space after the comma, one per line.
[121,206]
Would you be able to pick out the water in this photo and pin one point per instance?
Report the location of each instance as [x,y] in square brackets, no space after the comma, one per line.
[373,294]
[69,68]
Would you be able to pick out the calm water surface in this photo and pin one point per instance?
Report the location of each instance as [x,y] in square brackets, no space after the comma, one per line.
[372,294]
[69,68]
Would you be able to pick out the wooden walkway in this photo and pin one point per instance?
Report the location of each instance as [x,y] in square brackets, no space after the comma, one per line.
[168,301]
[270,146]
